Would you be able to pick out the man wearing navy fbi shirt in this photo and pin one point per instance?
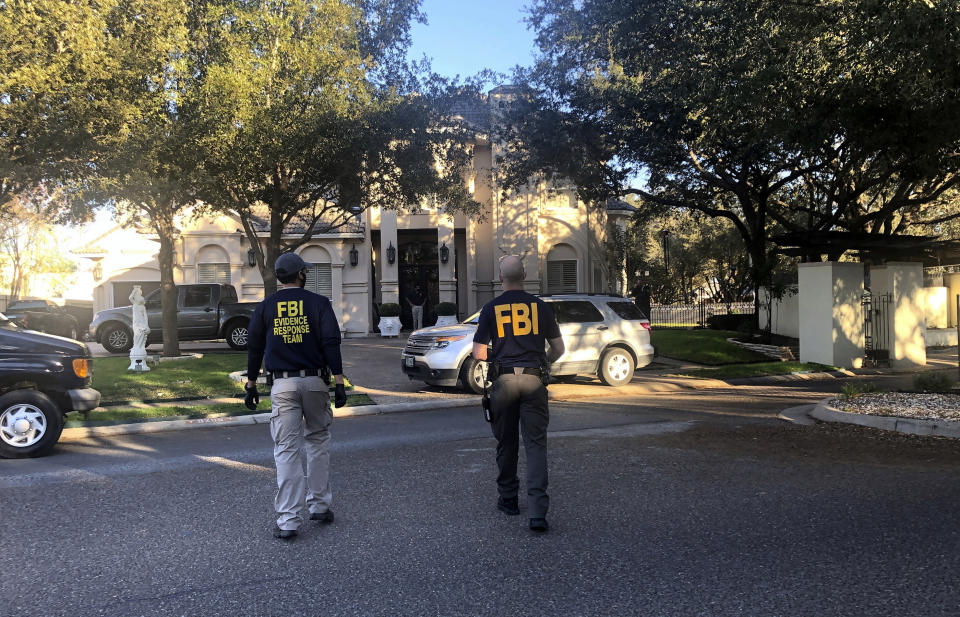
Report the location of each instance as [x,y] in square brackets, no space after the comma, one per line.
[519,324]
[295,334]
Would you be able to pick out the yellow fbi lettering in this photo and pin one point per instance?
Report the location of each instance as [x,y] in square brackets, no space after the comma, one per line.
[521,317]
[290,322]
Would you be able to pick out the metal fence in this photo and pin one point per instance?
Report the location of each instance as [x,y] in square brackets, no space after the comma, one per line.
[694,315]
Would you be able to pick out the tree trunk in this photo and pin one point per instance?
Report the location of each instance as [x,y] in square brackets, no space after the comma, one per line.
[168,290]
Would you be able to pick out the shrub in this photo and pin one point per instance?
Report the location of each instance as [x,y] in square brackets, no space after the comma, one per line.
[446,308]
[932,382]
[853,390]
[389,309]
[741,323]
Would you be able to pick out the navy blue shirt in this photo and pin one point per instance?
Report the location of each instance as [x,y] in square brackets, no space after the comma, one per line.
[293,329]
[519,324]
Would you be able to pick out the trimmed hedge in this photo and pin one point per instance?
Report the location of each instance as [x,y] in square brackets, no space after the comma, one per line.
[389,309]
[740,323]
[446,308]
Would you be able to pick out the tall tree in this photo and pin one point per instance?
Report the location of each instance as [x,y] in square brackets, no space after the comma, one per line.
[70,89]
[726,107]
[299,119]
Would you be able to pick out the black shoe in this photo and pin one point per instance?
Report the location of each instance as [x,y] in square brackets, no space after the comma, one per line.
[539,525]
[508,506]
[284,534]
[322,517]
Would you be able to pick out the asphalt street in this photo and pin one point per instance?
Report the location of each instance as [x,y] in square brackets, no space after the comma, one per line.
[699,503]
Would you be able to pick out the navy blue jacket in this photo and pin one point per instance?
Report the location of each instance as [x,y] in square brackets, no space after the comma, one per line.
[519,325]
[291,330]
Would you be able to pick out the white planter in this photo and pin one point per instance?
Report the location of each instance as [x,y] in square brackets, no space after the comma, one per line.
[447,320]
[389,326]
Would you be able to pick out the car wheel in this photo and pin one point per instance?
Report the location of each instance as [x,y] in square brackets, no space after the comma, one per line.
[117,339]
[616,367]
[30,424]
[237,336]
[472,375]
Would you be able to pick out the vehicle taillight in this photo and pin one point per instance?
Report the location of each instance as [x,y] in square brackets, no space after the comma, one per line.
[81,368]
[646,325]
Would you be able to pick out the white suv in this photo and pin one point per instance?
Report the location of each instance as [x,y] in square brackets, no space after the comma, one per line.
[607,336]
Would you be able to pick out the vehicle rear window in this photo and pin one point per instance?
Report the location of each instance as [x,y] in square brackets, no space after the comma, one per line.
[575,311]
[30,304]
[196,296]
[228,294]
[627,310]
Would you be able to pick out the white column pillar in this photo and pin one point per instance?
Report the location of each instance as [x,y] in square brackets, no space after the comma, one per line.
[906,319]
[831,316]
[336,287]
[447,276]
[390,276]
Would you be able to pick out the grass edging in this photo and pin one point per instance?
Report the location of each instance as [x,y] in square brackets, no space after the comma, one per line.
[758,369]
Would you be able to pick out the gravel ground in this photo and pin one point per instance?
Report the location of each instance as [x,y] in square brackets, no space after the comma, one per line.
[903,405]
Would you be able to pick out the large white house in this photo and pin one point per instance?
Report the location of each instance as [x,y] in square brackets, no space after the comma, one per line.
[381,257]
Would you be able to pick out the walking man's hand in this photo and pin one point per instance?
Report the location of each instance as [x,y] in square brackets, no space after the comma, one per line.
[253,397]
[339,395]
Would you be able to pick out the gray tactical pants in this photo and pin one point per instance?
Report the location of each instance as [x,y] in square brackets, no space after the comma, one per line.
[519,403]
[299,421]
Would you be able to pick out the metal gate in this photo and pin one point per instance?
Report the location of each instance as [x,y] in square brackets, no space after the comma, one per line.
[876,328]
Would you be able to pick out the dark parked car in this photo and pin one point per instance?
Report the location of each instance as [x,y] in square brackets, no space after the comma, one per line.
[43,316]
[204,312]
[42,377]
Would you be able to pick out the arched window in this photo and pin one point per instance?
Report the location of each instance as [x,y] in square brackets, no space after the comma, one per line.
[320,275]
[562,270]
[213,265]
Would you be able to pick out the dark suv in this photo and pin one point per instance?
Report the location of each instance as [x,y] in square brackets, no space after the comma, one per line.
[42,377]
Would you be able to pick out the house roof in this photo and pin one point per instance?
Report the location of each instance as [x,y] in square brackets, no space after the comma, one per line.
[260,217]
[618,205]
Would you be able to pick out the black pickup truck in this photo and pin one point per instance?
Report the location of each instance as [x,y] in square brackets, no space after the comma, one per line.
[204,312]
[43,316]
[42,377]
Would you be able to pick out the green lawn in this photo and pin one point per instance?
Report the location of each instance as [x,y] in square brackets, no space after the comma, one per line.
[181,412]
[702,347]
[197,378]
[206,377]
[760,369]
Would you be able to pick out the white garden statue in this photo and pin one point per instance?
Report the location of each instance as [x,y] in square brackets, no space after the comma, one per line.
[138,353]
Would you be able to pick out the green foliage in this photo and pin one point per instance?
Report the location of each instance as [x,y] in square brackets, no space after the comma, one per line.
[853,389]
[932,382]
[446,308]
[389,309]
[774,116]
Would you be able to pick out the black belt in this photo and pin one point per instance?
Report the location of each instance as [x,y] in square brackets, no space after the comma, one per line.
[307,372]
[527,370]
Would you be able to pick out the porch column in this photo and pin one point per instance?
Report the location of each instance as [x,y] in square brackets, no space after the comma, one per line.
[389,278]
[336,284]
[905,320]
[831,316]
[447,274]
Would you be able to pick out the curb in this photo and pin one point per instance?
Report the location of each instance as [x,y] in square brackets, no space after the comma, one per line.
[798,415]
[260,418]
[911,426]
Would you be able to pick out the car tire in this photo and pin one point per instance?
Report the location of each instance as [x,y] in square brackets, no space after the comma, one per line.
[236,336]
[30,424]
[117,338]
[616,367]
[470,376]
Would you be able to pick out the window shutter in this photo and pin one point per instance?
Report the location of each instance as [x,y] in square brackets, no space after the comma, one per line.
[213,274]
[320,280]
[562,276]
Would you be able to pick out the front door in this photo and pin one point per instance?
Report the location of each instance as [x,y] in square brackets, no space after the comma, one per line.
[419,266]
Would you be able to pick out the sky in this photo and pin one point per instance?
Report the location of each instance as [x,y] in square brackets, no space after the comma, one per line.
[463,38]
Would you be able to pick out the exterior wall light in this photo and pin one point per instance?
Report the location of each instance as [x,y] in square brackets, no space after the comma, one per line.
[354,255]
[391,254]
[251,258]
[444,253]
